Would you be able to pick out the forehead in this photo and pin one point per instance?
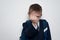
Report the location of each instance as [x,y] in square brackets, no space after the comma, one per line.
[36,13]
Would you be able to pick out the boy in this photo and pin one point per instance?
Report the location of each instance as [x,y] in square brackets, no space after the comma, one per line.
[35,28]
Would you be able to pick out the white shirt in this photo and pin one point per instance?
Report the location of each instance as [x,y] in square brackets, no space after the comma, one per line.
[36,25]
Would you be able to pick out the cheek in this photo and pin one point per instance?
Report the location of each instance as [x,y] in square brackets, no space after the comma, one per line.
[33,17]
[36,19]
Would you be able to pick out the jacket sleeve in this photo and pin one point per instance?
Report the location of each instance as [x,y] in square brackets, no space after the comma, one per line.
[23,35]
[47,33]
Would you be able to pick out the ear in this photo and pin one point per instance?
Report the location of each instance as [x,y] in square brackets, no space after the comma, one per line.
[40,14]
[28,15]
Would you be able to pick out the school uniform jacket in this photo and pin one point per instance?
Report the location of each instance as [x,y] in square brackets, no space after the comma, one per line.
[30,33]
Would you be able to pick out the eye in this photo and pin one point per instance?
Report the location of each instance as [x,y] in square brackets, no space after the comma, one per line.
[38,16]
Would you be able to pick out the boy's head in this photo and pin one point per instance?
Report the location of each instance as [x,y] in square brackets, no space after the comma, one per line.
[35,12]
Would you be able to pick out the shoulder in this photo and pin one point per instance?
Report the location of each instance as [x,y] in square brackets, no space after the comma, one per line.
[44,22]
[27,22]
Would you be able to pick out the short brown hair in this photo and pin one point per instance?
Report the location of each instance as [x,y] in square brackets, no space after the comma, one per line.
[35,7]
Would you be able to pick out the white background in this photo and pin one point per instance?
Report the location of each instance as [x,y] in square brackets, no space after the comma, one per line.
[14,12]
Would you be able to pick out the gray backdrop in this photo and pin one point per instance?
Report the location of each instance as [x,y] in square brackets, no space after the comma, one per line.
[14,12]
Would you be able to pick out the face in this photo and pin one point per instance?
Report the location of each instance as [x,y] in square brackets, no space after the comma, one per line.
[35,16]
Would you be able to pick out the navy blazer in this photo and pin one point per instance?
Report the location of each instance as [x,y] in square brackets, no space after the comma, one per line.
[30,33]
